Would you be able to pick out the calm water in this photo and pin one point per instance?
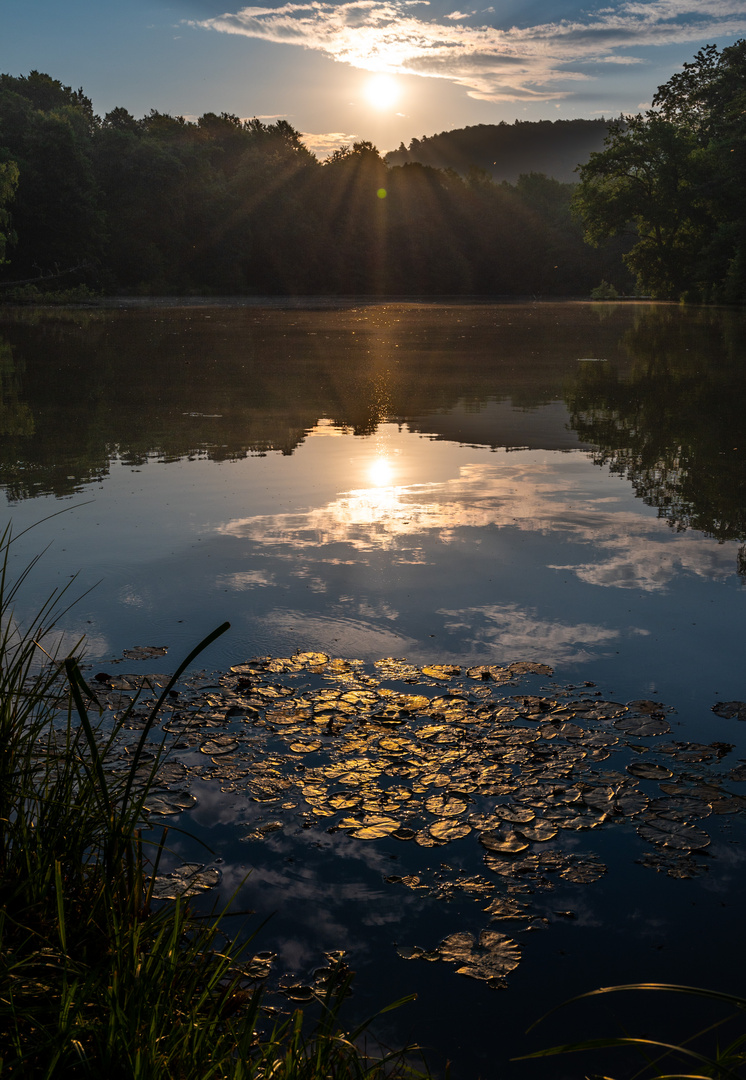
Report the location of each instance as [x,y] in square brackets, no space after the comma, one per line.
[556,484]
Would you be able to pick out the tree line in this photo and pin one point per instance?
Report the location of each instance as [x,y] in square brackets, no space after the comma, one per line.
[673,181]
[222,205]
[507,151]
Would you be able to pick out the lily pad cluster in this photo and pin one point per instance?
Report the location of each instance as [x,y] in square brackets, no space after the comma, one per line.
[440,755]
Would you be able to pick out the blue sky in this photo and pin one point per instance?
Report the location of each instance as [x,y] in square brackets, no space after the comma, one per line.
[312,62]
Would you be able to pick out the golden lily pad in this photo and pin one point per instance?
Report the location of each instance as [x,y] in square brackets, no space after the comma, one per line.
[374,828]
[449,830]
[446,805]
[503,843]
[313,659]
[490,958]
[441,671]
[538,831]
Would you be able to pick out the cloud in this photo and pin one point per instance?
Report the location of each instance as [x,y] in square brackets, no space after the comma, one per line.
[631,550]
[323,145]
[507,630]
[493,63]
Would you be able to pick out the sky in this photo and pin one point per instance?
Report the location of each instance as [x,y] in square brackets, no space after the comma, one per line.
[384,70]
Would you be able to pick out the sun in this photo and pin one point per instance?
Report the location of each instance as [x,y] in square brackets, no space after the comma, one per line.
[381,91]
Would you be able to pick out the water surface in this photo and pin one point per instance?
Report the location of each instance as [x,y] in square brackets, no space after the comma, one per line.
[556,484]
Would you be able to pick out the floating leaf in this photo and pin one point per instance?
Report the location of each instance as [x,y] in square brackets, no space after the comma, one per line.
[538,831]
[221,744]
[583,871]
[446,805]
[505,908]
[674,864]
[374,828]
[311,658]
[306,747]
[667,832]
[169,802]
[648,770]
[260,965]
[491,958]
[187,880]
[523,668]
[503,843]
[298,992]
[449,830]
[145,652]
[730,710]
[515,814]
[441,671]
[642,727]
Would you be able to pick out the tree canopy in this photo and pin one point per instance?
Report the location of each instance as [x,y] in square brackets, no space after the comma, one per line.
[224,205]
[673,180]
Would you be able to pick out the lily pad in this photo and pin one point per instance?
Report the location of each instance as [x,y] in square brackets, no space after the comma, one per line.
[145,652]
[490,958]
[187,880]
[311,659]
[538,831]
[669,833]
[169,802]
[642,727]
[583,871]
[503,843]
[449,830]
[648,770]
[374,828]
[445,805]
[441,671]
[730,710]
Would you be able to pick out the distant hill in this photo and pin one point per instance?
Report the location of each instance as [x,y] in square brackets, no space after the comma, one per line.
[553,147]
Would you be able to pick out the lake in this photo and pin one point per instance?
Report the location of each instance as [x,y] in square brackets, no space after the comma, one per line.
[484,567]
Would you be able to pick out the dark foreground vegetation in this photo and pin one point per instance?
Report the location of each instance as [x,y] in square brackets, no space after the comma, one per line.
[97,978]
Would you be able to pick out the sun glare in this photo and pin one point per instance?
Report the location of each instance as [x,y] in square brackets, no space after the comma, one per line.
[382,91]
[380,472]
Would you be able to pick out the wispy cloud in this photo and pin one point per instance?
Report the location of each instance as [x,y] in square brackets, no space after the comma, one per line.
[324,144]
[494,63]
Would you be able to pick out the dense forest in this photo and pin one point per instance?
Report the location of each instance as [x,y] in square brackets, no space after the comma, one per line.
[224,206]
[162,205]
[507,151]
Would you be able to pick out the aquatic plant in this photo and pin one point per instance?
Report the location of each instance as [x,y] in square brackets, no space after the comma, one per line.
[704,1055]
[97,976]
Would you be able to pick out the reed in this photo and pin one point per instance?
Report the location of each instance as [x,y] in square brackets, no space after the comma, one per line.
[96,978]
[713,1051]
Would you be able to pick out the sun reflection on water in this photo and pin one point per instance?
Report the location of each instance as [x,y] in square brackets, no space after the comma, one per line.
[380,472]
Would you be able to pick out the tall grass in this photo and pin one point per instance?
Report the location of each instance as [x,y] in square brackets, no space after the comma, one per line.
[97,979]
[713,1051]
